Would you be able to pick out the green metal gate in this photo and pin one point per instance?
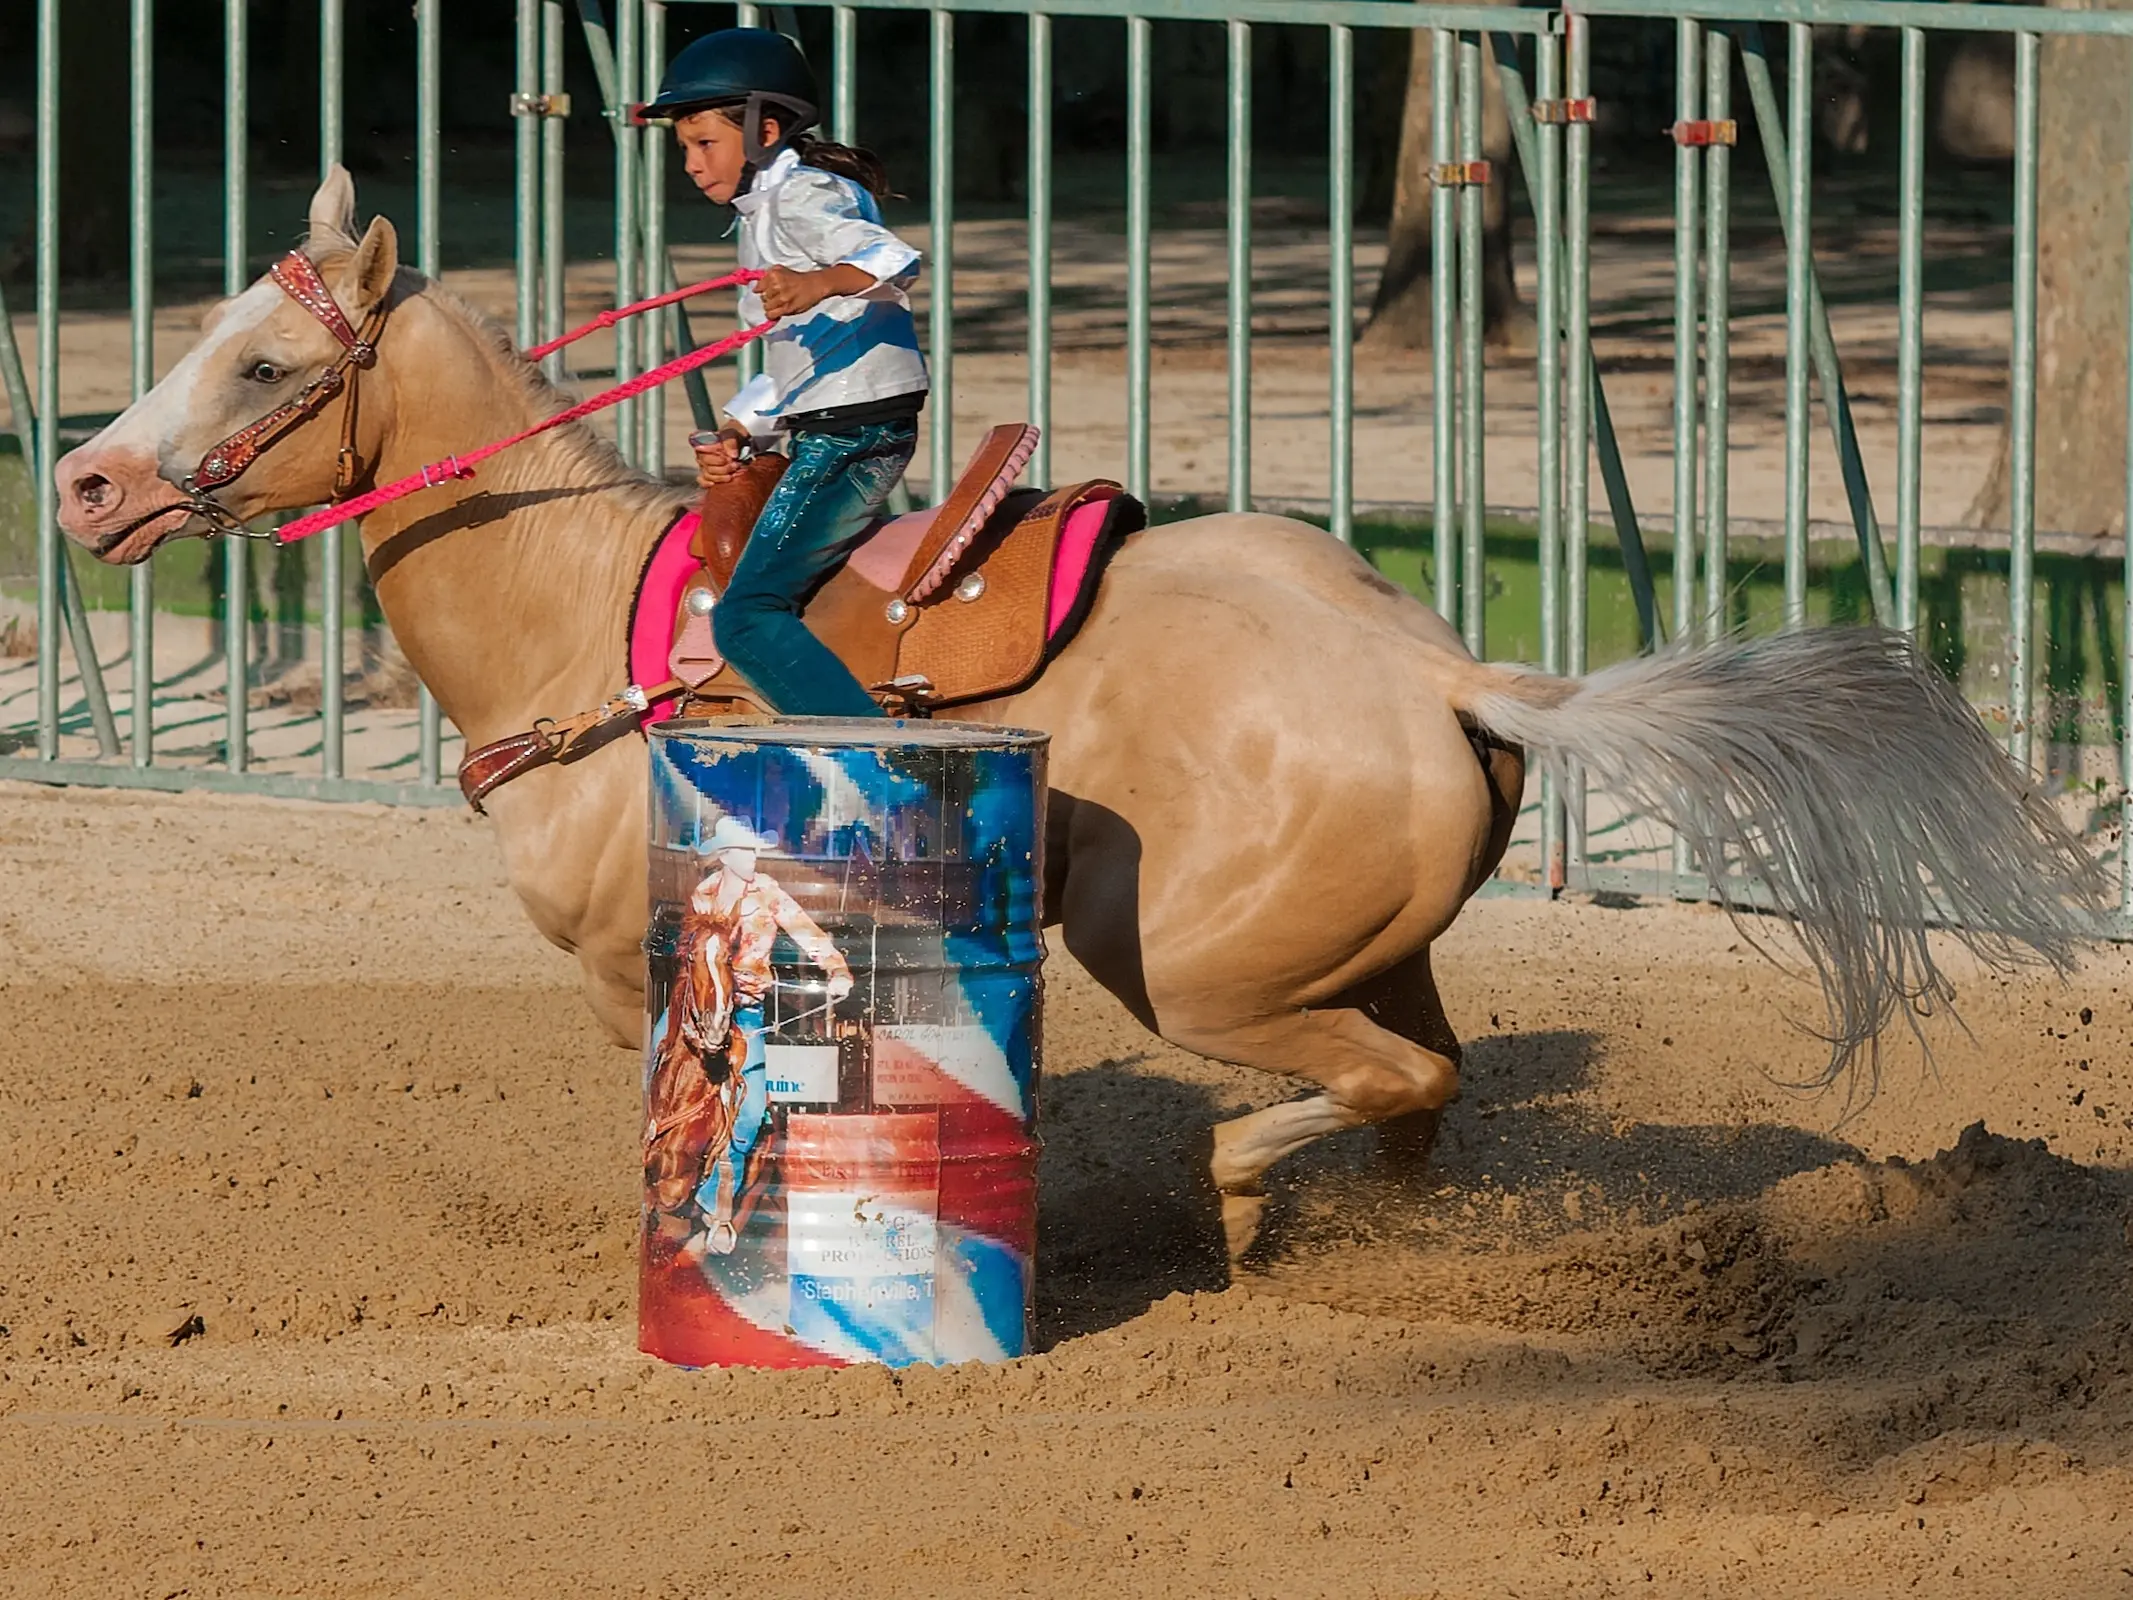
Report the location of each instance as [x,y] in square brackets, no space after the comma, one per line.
[75,725]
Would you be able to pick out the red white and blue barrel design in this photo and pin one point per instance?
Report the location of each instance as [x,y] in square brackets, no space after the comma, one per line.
[842,1042]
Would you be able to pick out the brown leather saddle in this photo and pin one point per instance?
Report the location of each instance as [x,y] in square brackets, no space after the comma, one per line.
[940,607]
[963,602]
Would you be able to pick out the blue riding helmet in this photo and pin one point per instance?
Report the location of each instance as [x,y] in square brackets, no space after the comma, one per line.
[752,68]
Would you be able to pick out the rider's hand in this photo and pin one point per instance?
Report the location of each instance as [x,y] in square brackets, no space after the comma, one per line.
[719,460]
[786,293]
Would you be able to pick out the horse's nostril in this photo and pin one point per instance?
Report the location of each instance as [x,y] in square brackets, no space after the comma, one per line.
[96,491]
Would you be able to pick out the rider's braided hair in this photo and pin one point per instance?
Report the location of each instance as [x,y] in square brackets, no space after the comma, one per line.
[860,165]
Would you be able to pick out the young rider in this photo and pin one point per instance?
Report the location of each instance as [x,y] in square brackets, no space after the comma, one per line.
[842,377]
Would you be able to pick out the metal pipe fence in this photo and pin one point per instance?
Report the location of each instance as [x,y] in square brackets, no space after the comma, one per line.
[1703,185]
[1573,433]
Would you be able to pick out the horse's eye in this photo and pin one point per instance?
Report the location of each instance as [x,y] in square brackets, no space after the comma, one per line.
[265,372]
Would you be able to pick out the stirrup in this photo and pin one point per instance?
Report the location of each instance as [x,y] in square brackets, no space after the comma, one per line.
[912,695]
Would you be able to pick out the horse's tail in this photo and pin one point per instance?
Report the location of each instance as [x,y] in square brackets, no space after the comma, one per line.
[1841,772]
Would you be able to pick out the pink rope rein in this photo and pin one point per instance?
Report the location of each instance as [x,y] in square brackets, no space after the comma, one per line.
[462,466]
[615,314]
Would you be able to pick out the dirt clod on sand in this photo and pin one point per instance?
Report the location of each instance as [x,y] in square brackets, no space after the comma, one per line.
[317,1277]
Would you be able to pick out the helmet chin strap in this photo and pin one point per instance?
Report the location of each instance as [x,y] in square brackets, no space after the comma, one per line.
[752,144]
[752,132]
[792,121]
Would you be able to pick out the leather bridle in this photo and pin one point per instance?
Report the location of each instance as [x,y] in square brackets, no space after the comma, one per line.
[228,461]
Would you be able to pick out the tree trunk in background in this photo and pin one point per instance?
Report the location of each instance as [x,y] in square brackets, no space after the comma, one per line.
[2083,132]
[1400,314]
[93,139]
[1975,116]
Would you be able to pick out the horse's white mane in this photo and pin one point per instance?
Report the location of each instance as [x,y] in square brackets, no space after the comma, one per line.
[585,455]
[583,449]
[574,451]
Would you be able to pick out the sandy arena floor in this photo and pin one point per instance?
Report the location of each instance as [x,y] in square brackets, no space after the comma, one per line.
[1653,1325]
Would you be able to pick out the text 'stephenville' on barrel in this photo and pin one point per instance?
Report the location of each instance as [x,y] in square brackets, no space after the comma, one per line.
[840,1088]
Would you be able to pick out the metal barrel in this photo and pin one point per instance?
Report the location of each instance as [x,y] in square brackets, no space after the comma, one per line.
[843,1031]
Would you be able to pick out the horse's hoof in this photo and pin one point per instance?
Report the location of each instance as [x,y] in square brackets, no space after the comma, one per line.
[1405,1142]
[720,1238]
[1232,1171]
[1241,1214]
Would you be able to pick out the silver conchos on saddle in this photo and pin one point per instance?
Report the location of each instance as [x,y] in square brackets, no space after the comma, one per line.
[695,659]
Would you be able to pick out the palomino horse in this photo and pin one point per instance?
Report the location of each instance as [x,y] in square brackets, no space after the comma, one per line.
[1277,775]
[695,1091]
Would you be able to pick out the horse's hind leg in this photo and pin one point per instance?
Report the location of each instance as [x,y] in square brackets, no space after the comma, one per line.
[1385,1054]
[1404,1001]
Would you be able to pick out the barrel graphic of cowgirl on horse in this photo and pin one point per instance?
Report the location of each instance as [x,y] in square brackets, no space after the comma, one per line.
[708,1098]
[841,1050]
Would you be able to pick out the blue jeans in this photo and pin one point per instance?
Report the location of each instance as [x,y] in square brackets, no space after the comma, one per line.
[720,1192]
[830,495]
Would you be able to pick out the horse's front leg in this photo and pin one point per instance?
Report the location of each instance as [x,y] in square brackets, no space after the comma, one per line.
[611,949]
[574,845]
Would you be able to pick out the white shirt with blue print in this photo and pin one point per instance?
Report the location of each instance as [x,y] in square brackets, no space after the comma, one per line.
[848,349]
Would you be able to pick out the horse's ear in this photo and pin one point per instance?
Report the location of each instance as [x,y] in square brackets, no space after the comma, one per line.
[333,213]
[368,277]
